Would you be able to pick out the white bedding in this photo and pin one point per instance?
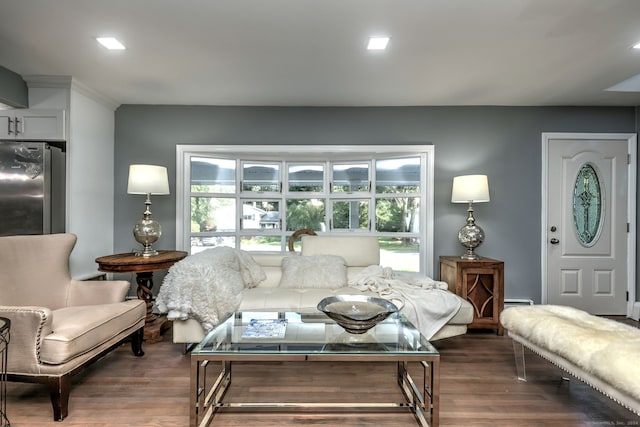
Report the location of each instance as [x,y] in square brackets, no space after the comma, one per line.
[427,303]
[208,285]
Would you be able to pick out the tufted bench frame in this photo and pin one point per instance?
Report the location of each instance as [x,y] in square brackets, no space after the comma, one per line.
[519,343]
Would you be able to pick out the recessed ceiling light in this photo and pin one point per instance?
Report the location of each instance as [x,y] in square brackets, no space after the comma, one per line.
[378,43]
[110,43]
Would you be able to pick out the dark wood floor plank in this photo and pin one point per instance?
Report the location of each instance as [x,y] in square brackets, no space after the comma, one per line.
[478,388]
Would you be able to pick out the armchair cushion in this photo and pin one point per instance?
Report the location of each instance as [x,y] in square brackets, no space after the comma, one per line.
[80,329]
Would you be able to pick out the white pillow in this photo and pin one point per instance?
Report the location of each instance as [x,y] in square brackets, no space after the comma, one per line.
[317,271]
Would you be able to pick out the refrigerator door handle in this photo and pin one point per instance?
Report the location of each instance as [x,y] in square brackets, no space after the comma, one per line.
[9,122]
[17,126]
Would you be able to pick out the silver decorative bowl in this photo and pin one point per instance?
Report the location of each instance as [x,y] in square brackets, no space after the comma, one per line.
[357,313]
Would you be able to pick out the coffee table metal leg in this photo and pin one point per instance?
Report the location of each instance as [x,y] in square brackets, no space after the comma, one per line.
[207,400]
[423,400]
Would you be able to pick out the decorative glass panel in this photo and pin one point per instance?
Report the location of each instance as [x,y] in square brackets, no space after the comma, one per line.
[587,205]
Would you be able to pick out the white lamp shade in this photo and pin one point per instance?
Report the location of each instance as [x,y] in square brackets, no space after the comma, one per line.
[470,189]
[148,179]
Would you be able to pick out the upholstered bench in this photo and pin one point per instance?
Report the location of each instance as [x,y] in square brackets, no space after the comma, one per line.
[601,352]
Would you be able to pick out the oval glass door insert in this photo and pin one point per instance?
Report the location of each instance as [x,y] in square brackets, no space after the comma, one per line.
[587,205]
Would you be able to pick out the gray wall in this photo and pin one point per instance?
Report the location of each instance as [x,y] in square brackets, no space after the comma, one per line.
[502,142]
[13,90]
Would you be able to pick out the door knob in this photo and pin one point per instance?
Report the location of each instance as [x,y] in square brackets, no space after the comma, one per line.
[554,241]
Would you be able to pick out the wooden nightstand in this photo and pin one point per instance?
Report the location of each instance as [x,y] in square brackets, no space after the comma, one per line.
[144,268]
[481,282]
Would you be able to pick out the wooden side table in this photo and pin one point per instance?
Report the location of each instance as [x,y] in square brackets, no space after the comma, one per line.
[144,268]
[481,282]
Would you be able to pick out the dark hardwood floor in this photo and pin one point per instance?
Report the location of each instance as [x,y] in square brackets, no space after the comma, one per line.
[478,388]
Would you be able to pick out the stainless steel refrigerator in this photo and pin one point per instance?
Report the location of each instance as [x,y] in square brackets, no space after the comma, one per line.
[32,188]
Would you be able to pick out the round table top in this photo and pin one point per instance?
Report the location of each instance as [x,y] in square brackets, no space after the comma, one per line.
[130,262]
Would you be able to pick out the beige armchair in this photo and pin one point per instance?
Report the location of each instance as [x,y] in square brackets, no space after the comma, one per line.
[60,325]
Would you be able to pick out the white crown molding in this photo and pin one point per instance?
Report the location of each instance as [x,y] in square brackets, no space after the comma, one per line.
[45,81]
[96,96]
[69,82]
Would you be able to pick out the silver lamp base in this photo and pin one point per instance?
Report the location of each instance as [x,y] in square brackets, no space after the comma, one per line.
[470,236]
[147,231]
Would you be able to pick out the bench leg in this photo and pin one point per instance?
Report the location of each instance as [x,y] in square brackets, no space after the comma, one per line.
[518,353]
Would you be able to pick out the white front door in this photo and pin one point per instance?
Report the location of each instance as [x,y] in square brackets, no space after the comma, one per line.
[586,243]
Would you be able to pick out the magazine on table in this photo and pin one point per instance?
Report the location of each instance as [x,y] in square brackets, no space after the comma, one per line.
[265,328]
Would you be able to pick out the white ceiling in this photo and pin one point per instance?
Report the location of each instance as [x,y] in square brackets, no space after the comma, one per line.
[312,52]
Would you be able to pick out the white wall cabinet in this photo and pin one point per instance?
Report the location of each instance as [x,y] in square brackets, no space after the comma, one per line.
[32,125]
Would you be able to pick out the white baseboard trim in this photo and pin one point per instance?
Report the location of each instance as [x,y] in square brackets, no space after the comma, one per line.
[510,302]
[635,313]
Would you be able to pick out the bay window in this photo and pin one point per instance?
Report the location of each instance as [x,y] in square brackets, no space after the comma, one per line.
[254,197]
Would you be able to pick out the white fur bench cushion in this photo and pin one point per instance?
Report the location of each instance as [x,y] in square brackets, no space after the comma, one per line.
[602,347]
[319,271]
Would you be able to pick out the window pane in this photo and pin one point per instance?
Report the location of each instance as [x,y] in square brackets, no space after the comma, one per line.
[350,215]
[401,254]
[213,214]
[398,214]
[307,178]
[260,215]
[398,175]
[199,244]
[213,175]
[261,243]
[260,177]
[305,213]
[350,178]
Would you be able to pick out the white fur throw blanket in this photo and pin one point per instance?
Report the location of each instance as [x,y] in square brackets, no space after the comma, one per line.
[427,303]
[602,347]
[208,285]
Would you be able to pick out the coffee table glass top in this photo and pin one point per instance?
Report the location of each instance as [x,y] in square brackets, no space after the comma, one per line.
[315,333]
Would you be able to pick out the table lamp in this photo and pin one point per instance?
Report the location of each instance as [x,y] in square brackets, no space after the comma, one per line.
[147,179]
[470,189]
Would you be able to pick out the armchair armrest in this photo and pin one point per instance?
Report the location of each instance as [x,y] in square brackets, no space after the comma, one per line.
[29,326]
[91,292]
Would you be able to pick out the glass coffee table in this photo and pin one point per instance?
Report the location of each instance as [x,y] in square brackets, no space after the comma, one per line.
[289,336]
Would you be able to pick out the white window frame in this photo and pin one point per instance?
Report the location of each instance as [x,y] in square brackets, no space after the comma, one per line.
[310,153]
